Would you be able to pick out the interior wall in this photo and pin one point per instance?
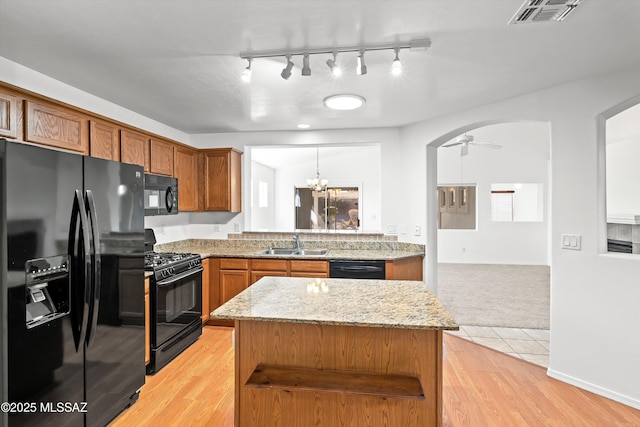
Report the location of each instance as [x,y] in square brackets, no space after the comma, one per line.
[353,168]
[263,218]
[387,139]
[523,158]
[623,174]
[594,294]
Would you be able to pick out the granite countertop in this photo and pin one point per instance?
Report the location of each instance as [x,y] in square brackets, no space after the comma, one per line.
[254,252]
[348,302]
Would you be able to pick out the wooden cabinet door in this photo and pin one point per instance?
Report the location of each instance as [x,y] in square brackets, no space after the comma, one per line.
[134,148]
[56,127]
[309,268]
[205,290]
[186,170]
[161,157]
[404,268]
[147,323]
[104,140]
[8,115]
[232,282]
[223,181]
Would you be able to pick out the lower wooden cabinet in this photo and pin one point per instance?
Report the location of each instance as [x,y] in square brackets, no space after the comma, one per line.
[404,268]
[147,323]
[230,276]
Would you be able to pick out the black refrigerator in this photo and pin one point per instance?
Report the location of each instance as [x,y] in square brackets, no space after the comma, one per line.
[72,272]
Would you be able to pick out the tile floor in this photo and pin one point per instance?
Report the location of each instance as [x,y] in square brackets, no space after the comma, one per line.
[528,344]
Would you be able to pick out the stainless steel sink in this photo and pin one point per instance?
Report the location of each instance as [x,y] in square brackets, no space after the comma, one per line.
[279,251]
[292,251]
[312,252]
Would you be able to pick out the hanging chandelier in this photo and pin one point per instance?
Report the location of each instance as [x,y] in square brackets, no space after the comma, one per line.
[317,184]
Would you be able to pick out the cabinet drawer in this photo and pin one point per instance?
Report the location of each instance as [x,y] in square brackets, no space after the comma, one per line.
[269,264]
[310,266]
[234,264]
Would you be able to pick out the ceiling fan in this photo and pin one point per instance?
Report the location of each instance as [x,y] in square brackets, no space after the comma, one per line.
[465,140]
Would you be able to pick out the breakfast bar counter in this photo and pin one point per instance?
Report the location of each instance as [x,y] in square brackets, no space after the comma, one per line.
[337,352]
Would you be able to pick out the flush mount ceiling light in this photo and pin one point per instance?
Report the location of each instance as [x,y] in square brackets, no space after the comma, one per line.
[344,102]
[413,45]
[303,126]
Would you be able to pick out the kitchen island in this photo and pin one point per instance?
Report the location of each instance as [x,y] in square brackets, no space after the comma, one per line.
[337,352]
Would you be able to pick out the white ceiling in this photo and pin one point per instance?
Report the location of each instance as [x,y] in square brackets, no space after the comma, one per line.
[177,61]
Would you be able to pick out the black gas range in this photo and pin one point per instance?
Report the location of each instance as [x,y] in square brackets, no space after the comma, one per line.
[167,264]
[175,302]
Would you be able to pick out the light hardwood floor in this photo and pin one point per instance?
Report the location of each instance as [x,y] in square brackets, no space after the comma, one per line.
[481,387]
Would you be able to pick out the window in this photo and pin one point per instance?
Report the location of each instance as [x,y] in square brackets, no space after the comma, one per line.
[517,202]
[334,209]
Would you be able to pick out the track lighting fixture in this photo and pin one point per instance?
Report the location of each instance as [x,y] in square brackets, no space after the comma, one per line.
[246,73]
[335,69]
[286,72]
[396,66]
[361,69]
[306,70]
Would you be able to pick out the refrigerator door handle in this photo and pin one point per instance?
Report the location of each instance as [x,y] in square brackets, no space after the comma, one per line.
[79,312]
[97,265]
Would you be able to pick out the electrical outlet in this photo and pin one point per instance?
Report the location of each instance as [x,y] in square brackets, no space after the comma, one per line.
[216,227]
[418,230]
[236,227]
[392,229]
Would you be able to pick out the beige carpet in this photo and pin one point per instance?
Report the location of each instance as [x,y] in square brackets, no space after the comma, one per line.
[510,296]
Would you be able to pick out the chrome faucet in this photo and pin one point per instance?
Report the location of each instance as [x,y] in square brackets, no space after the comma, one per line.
[296,242]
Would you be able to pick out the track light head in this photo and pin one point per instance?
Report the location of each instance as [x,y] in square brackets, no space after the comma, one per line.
[306,70]
[361,69]
[246,73]
[333,66]
[286,72]
[396,66]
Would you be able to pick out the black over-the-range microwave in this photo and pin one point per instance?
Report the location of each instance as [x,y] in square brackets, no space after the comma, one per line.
[160,195]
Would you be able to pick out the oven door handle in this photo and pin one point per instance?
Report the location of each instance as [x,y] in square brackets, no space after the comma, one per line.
[179,277]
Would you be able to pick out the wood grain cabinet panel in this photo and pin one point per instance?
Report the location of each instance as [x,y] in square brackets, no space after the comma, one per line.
[404,268]
[232,282]
[223,181]
[57,127]
[161,157]
[205,290]
[8,115]
[186,170]
[134,148]
[104,140]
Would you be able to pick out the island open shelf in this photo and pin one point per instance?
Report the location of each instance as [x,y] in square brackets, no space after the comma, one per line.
[359,352]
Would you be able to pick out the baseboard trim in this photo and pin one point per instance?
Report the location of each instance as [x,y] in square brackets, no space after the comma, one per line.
[610,394]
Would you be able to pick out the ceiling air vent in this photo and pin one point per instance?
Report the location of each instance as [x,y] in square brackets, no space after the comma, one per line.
[543,11]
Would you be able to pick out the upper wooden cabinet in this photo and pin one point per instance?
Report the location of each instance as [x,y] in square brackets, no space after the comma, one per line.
[223,179]
[104,140]
[57,127]
[161,157]
[8,115]
[186,170]
[134,148]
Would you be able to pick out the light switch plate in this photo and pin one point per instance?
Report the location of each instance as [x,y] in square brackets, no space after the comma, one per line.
[571,241]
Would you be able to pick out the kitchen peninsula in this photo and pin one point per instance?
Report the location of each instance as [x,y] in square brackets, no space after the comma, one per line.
[337,352]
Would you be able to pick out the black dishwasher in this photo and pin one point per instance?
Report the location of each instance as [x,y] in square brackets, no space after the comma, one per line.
[357,269]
